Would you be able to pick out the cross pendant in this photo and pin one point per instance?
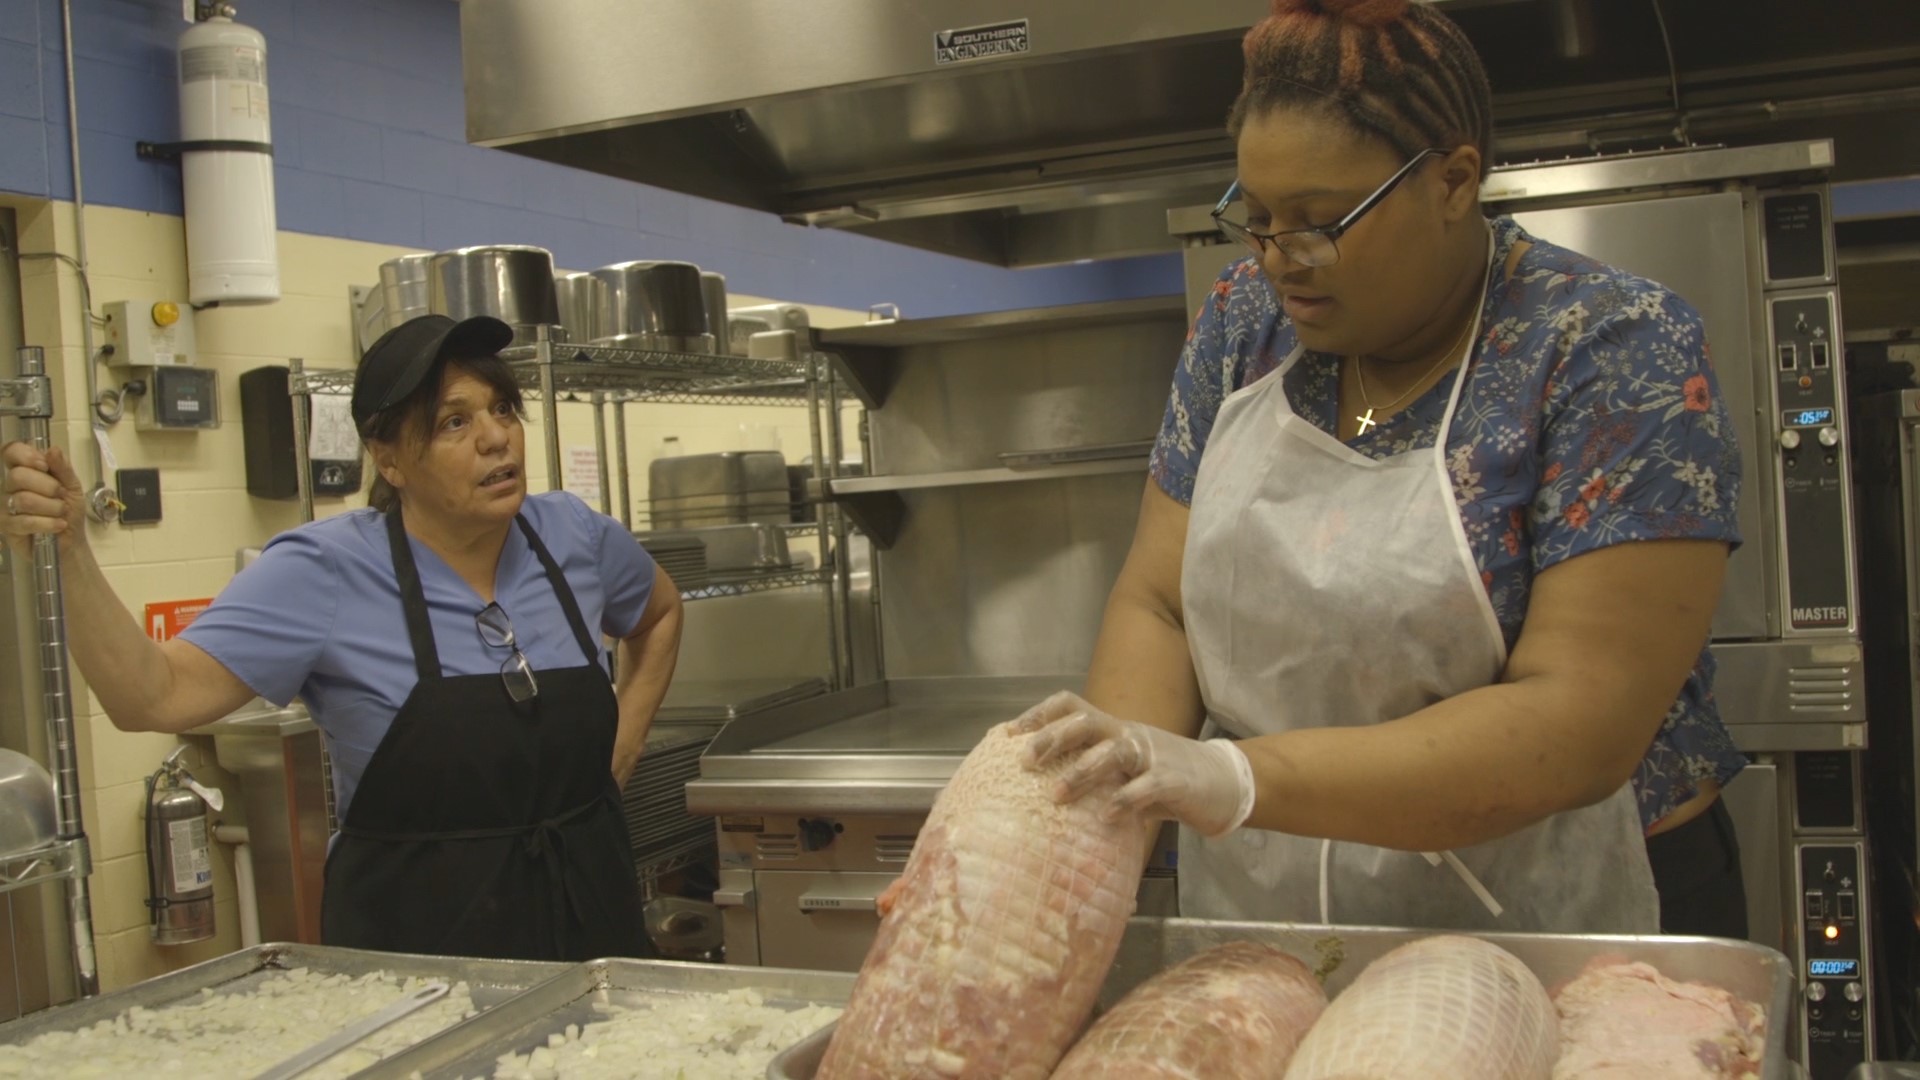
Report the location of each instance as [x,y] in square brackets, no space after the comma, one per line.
[1367,421]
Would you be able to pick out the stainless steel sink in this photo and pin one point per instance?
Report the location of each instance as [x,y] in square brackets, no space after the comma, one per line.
[277,755]
[257,719]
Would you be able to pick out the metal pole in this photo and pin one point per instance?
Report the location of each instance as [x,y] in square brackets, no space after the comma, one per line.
[620,461]
[814,366]
[301,401]
[103,499]
[56,692]
[865,427]
[843,559]
[549,408]
[600,451]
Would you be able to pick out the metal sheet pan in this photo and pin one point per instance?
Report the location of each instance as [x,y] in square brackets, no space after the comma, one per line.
[470,1049]
[1339,953]
[490,982]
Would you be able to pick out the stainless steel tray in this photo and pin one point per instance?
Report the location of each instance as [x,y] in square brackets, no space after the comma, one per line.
[1340,953]
[470,1048]
[490,982]
[733,549]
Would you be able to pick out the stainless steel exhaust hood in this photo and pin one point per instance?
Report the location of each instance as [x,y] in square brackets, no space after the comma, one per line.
[1030,132]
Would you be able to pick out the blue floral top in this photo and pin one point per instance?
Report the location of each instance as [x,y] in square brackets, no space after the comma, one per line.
[1591,417]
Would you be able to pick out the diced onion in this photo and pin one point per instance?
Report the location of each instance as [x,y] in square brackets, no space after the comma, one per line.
[241,1033]
[724,1036]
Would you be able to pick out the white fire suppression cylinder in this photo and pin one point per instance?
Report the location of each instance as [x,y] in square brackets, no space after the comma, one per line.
[226,164]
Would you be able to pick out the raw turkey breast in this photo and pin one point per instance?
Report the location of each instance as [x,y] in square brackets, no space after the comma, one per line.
[1235,1012]
[1626,1021]
[1442,1008]
[994,943]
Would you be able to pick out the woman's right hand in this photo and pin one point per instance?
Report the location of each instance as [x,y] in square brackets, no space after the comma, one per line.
[1207,786]
[42,496]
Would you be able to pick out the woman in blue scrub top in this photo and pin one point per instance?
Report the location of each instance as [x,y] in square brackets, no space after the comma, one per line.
[447,641]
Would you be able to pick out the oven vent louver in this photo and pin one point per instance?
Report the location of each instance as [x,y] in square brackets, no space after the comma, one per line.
[893,848]
[777,846]
[1822,689]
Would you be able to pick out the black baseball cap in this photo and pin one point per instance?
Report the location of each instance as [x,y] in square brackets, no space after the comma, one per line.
[394,366]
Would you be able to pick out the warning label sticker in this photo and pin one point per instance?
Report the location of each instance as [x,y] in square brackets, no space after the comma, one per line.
[980,42]
[238,62]
[192,869]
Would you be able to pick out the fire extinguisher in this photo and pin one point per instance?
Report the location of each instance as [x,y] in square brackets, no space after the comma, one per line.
[179,854]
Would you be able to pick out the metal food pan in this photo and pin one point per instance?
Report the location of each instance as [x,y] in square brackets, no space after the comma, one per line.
[490,982]
[1339,953]
[472,1048]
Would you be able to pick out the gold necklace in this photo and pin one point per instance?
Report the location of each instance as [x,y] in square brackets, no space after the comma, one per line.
[1366,420]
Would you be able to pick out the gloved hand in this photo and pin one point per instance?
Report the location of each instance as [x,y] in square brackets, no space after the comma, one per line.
[1207,786]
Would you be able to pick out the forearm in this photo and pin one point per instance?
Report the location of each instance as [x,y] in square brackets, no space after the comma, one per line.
[126,670]
[647,661]
[1463,771]
[1141,668]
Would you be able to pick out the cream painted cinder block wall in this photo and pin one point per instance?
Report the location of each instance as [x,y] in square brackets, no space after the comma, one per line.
[207,513]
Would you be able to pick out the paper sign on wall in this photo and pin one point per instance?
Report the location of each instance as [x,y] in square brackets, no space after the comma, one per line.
[167,618]
[583,473]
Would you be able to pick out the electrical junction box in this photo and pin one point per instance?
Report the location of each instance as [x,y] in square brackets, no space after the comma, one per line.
[178,398]
[149,333]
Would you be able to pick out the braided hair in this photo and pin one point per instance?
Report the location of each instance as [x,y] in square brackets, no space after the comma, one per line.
[1397,70]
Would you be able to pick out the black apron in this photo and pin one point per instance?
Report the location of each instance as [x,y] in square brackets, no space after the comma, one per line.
[483,827]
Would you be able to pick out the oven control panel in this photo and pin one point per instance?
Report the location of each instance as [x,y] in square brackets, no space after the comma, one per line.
[1836,1015]
[1810,437]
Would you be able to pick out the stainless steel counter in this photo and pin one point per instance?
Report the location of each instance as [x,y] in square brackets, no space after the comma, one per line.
[888,748]
[819,805]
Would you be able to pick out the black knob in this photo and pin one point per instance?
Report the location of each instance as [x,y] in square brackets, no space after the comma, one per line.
[816,833]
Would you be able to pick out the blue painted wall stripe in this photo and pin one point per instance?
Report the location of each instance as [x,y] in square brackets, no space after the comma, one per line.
[1877,198]
[369,123]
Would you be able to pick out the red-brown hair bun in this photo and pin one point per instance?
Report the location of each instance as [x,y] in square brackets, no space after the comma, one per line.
[1396,70]
[1358,12]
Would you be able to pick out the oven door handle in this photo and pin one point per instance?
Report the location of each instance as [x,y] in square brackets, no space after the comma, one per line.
[811,902]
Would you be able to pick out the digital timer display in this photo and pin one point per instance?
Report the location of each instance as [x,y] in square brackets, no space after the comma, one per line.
[1833,969]
[1809,417]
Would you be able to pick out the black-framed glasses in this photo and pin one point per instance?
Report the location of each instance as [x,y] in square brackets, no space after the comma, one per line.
[497,631]
[1315,246]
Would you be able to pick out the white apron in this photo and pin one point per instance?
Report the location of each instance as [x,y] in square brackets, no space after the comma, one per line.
[1323,588]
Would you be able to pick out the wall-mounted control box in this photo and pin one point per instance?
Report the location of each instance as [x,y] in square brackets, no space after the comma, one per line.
[178,398]
[149,333]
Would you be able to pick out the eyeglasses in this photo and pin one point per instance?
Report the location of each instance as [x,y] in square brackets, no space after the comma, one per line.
[1312,246]
[515,672]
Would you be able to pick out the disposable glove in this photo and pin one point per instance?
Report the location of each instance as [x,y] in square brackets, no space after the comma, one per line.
[1207,786]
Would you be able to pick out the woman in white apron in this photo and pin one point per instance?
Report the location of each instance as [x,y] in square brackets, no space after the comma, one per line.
[1436,529]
